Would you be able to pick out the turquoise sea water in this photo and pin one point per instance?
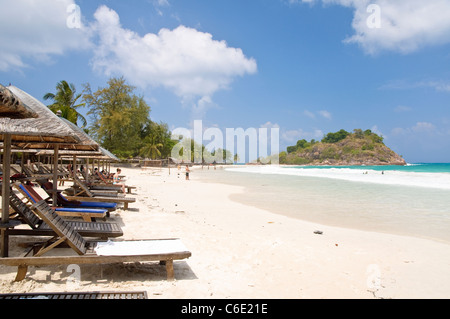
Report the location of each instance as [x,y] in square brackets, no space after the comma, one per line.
[411,200]
[413,168]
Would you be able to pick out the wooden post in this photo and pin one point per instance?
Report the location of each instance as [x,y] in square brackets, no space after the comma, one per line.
[86,171]
[6,177]
[5,192]
[55,175]
[170,271]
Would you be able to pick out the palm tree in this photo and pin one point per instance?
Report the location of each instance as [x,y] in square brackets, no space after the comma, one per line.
[65,101]
[151,148]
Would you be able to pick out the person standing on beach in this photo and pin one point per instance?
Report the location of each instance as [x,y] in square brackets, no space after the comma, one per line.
[187,172]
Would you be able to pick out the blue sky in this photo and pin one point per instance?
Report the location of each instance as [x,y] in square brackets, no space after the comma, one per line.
[306,67]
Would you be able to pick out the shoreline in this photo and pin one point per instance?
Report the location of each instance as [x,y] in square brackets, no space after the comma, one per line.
[243,252]
[319,212]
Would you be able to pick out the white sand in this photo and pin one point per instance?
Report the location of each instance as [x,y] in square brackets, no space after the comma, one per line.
[240,251]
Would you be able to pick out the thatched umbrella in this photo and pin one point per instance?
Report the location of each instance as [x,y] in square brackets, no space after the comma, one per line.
[47,121]
[12,107]
[44,131]
[104,155]
[48,118]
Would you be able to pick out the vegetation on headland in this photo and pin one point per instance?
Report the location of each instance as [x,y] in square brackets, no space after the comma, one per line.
[342,148]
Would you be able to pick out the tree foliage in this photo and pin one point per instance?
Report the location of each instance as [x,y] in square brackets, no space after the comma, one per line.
[65,100]
[301,144]
[121,122]
[335,137]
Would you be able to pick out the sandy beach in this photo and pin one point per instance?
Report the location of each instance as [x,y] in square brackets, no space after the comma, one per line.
[244,252]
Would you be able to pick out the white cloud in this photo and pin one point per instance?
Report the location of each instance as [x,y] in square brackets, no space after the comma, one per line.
[158,4]
[325,114]
[424,127]
[419,127]
[188,62]
[184,60]
[402,108]
[270,125]
[405,25]
[38,30]
[292,136]
[437,85]
[309,114]
[162,3]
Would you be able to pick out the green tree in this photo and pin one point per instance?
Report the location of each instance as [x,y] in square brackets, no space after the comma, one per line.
[65,100]
[119,117]
[282,157]
[157,142]
[151,148]
[335,137]
[291,149]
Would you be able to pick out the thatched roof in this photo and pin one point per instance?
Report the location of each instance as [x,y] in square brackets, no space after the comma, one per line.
[25,133]
[84,138]
[45,130]
[11,106]
[102,154]
[107,155]
[66,153]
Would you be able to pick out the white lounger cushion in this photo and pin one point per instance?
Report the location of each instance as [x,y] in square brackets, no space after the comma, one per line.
[150,247]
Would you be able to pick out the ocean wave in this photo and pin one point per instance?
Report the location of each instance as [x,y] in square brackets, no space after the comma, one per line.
[389,177]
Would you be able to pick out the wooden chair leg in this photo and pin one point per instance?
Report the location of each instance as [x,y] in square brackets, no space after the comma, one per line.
[21,272]
[170,271]
[87,218]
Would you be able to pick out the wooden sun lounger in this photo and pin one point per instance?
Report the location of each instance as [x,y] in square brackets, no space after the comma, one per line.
[102,187]
[108,184]
[77,295]
[62,200]
[86,251]
[84,189]
[88,215]
[92,197]
[124,200]
[40,228]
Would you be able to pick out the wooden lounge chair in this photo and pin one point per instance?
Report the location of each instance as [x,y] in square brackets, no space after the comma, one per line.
[40,228]
[84,189]
[64,202]
[95,197]
[77,295]
[166,250]
[124,200]
[87,214]
[117,188]
[103,178]
[107,184]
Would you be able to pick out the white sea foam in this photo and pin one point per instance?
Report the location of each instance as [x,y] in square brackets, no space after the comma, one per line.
[390,177]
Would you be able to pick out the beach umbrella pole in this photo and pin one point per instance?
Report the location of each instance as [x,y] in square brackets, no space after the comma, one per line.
[55,174]
[5,194]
